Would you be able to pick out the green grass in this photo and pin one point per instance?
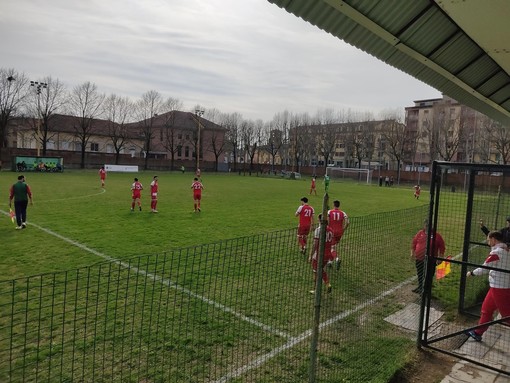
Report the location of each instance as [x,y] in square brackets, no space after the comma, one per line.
[111,316]
[73,205]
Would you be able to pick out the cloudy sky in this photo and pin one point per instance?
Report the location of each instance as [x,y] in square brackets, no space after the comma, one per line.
[245,56]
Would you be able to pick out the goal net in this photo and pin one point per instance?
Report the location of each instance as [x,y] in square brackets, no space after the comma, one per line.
[355,174]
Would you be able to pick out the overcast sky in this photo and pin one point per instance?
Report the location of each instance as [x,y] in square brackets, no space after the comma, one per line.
[245,56]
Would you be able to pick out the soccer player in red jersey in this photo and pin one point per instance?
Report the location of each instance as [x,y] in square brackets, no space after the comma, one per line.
[328,254]
[197,193]
[306,219]
[313,187]
[339,222]
[154,194]
[102,175]
[417,191]
[136,188]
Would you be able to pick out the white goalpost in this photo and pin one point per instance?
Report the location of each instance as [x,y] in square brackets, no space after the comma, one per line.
[350,173]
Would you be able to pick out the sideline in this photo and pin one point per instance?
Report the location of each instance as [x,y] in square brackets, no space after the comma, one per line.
[164,281]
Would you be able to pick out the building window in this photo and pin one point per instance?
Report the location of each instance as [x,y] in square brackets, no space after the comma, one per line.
[94,147]
[50,145]
[186,151]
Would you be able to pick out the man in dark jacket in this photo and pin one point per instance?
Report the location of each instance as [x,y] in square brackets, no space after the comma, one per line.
[21,193]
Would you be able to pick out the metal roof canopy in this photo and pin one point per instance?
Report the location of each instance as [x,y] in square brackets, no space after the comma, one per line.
[460,48]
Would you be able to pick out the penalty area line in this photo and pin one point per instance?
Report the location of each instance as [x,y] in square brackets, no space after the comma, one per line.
[165,281]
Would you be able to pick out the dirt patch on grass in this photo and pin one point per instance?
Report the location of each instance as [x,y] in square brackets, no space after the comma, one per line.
[427,367]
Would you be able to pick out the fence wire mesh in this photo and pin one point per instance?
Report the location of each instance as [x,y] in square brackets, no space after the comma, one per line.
[463,215]
[233,311]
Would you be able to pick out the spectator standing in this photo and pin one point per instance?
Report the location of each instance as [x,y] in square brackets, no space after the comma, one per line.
[306,219]
[21,194]
[419,248]
[498,296]
[386,181]
[136,189]
[339,222]
[102,175]
[154,194]
[197,193]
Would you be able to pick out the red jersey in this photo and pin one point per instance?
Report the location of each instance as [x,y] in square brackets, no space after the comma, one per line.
[328,255]
[197,188]
[154,187]
[305,213]
[313,183]
[420,245]
[337,221]
[102,173]
[137,188]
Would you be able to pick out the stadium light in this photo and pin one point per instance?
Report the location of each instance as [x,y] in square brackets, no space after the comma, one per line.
[38,86]
[199,113]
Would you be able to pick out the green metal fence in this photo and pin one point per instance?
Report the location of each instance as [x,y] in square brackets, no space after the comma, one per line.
[233,311]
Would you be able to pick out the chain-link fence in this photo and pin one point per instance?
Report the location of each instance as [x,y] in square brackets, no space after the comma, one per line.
[468,201]
[238,310]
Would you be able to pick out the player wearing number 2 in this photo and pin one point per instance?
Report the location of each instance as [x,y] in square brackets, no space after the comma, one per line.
[306,219]
[197,193]
[339,222]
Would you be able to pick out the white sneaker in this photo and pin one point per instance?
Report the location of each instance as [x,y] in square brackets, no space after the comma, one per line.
[24,225]
[154,211]
[18,228]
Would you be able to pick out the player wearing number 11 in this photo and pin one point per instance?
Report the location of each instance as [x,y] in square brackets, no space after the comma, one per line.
[339,222]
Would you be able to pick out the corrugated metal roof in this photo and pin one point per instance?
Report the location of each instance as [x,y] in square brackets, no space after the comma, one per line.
[421,39]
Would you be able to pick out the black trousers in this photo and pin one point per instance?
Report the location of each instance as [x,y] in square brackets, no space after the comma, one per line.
[20,208]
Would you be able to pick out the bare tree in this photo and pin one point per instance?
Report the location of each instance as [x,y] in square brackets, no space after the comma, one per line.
[281,122]
[147,108]
[250,136]
[395,139]
[43,104]
[486,137]
[85,103]
[501,143]
[118,112]
[13,90]
[232,122]
[170,134]
[273,142]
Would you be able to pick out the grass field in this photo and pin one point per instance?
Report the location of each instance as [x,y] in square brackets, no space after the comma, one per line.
[205,304]
[73,205]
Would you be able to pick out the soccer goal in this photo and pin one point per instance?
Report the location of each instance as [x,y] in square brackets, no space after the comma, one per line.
[350,173]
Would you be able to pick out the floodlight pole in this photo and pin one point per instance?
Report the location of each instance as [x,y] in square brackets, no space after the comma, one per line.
[199,113]
[38,86]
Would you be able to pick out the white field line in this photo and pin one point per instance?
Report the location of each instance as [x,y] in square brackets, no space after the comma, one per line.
[164,281]
[295,340]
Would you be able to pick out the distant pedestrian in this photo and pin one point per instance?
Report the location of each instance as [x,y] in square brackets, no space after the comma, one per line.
[391,181]
[21,194]
[182,169]
[136,189]
[386,181]
[380,180]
